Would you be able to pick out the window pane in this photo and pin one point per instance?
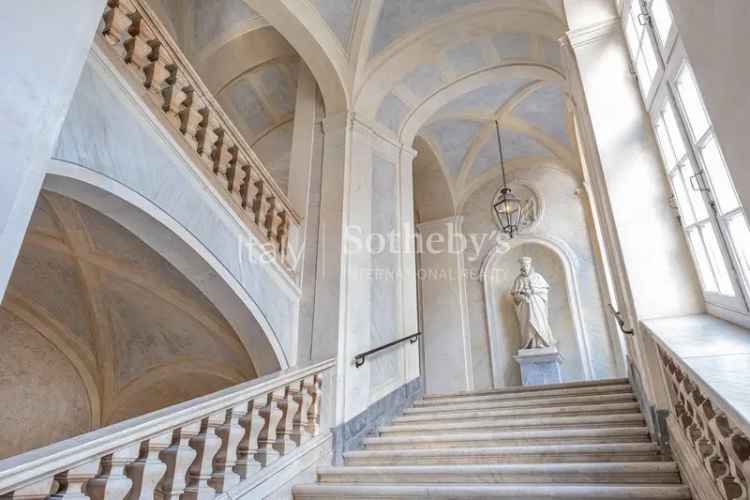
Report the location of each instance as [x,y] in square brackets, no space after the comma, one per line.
[673,129]
[649,52]
[662,19]
[704,268]
[696,197]
[693,102]
[644,75]
[740,234]
[720,181]
[631,35]
[718,262]
[683,202]
[667,152]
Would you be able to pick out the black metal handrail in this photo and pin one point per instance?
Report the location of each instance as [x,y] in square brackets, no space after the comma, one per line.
[620,320]
[359,359]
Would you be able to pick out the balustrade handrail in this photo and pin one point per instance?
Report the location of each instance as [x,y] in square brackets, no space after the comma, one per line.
[132,34]
[27,468]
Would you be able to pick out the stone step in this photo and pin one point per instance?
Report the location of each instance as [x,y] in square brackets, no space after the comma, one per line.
[535,388]
[597,473]
[569,411]
[619,452]
[490,492]
[525,403]
[548,423]
[519,438]
[480,397]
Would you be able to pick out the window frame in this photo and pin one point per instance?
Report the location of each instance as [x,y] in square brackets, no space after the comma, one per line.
[664,90]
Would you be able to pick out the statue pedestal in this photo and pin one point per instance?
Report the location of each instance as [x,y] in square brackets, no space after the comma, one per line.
[540,366]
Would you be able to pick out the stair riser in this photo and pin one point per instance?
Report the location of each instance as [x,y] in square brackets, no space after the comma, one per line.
[458,478]
[504,459]
[506,442]
[395,431]
[484,415]
[590,391]
[530,403]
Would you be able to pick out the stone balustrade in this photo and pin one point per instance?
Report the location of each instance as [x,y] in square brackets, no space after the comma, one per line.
[715,448]
[197,450]
[132,35]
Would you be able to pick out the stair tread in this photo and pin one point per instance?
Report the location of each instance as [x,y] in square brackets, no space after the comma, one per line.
[628,407]
[558,394]
[461,436]
[538,388]
[484,491]
[499,468]
[524,403]
[519,422]
[526,449]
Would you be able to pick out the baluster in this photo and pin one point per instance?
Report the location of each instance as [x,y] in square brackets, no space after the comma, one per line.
[252,423]
[258,205]
[271,415]
[240,183]
[178,457]
[73,481]
[202,144]
[115,25]
[285,429]
[282,233]
[269,223]
[35,491]
[304,400]
[111,483]
[148,470]
[230,432]
[206,444]
[313,414]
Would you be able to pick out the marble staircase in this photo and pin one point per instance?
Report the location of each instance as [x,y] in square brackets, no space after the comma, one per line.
[584,440]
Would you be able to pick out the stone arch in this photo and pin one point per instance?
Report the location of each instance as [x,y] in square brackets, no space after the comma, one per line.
[181,249]
[301,24]
[489,279]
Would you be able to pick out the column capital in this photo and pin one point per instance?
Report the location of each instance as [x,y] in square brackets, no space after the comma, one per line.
[381,140]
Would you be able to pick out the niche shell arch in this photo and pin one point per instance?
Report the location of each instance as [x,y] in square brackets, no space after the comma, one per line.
[180,248]
[492,297]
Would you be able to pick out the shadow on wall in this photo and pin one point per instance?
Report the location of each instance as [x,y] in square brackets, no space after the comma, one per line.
[97,327]
[506,330]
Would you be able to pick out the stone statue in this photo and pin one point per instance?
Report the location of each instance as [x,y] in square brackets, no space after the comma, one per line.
[531,295]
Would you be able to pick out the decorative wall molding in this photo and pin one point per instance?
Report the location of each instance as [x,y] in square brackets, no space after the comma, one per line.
[591,34]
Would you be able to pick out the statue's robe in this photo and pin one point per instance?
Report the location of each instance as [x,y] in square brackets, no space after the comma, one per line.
[533,310]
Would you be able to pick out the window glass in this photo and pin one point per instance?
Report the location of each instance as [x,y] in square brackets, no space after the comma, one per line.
[662,19]
[704,267]
[649,53]
[673,129]
[670,160]
[720,181]
[741,238]
[696,197]
[717,260]
[683,202]
[692,102]
[631,34]
[644,75]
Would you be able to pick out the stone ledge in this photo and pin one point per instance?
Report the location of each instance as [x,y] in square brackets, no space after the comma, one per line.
[716,353]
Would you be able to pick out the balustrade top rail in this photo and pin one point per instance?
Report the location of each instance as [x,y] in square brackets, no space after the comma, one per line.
[132,35]
[289,402]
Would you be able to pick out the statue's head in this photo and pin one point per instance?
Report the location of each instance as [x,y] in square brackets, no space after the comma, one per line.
[526,267]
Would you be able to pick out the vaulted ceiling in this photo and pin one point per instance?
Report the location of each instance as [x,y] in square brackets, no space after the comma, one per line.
[441,70]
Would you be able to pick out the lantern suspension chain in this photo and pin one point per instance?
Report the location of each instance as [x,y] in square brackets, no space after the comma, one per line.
[500,150]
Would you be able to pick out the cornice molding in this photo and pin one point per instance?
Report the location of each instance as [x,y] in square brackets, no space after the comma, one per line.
[591,34]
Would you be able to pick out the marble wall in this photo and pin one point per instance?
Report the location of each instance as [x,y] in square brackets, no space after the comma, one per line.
[108,133]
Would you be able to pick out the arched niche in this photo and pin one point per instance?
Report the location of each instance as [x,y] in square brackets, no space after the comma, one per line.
[180,248]
[557,264]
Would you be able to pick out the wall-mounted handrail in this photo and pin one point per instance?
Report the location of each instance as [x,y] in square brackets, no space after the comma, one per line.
[359,359]
[620,320]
